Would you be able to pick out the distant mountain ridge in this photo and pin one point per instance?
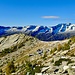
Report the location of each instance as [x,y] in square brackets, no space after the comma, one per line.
[45,33]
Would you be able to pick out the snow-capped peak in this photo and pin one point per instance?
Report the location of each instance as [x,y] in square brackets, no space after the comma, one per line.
[44,32]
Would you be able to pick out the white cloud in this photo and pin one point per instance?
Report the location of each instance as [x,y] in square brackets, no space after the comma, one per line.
[50,17]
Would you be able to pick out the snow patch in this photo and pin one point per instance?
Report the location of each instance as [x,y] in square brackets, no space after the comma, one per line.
[36,29]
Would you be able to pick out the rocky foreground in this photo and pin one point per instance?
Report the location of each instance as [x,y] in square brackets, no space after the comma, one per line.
[25,55]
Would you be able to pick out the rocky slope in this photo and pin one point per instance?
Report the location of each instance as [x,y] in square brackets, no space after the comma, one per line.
[21,54]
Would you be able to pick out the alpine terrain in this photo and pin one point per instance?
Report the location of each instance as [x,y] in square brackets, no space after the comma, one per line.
[21,54]
[44,33]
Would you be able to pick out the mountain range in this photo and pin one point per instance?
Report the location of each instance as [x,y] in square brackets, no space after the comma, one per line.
[44,33]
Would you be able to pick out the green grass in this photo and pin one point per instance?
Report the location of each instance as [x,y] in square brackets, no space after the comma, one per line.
[59,62]
[66,46]
[53,50]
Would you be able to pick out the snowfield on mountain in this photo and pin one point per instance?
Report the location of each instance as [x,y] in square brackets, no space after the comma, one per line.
[44,33]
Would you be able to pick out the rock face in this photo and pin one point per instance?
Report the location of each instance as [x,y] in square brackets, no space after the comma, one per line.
[45,33]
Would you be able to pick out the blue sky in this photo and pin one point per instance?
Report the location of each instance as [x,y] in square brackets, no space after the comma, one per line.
[36,12]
